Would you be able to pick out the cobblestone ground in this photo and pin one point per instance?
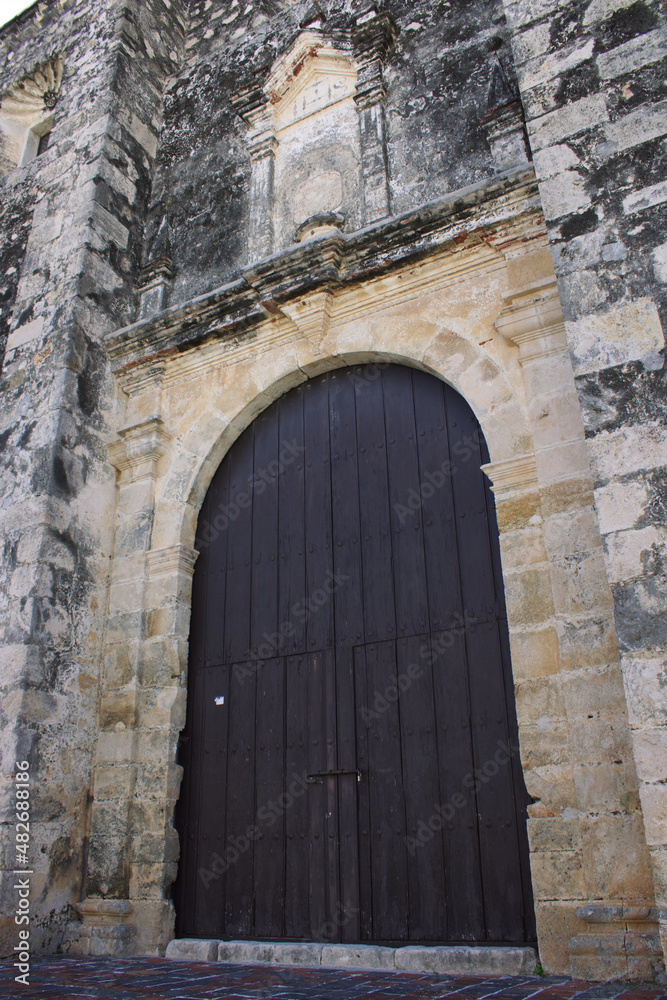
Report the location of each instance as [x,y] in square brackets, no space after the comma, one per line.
[144,978]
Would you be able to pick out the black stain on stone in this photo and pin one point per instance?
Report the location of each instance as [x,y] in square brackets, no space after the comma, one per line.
[625,24]
[90,380]
[621,396]
[577,225]
[578,82]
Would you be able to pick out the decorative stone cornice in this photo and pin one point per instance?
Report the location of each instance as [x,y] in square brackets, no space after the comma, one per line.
[499,213]
[373,37]
[533,320]
[139,449]
[175,559]
[312,315]
[514,474]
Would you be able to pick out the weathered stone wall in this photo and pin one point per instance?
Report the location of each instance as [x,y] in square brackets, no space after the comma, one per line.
[592,78]
[437,82]
[78,260]
[169,177]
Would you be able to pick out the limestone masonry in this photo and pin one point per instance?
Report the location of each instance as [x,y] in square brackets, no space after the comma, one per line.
[205,204]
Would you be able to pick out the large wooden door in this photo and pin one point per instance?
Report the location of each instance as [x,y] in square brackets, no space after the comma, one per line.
[350,753]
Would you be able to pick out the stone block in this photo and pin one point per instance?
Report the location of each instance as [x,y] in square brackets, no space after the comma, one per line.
[577,531]
[479,960]
[648,197]
[616,862]
[654,807]
[624,332]
[542,747]
[534,653]
[118,707]
[620,505]
[558,875]
[515,510]
[529,597]
[574,492]
[523,547]
[635,448]
[113,782]
[579,116]
[557,923]
[650,751]
[553,786]
[594,691]
[270,954]
[588,641]
[540,701]
[350,956]
[561,461]
[648,122]
[564,194]
[546,834]
[606,787]
[192,950]
[645,691]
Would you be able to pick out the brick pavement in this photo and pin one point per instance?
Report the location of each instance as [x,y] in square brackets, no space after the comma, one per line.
[62,978]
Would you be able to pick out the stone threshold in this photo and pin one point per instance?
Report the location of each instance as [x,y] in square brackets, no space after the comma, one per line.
[480,960]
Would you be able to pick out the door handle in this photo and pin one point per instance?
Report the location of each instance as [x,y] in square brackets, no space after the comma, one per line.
[320,775]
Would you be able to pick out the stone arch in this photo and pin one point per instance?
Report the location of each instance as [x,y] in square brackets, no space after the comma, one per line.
[449,357]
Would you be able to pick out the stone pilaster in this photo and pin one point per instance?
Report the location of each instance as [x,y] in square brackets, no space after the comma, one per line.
[254,107]
[588,849]
[117,770]
[373,39]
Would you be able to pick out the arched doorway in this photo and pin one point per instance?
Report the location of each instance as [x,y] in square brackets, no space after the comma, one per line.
[350,752]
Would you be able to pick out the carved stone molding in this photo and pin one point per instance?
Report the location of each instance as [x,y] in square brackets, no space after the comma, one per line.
[514,474]
[312,315]
[155,284]
[373,37]
[139,449]
[505,131]
[106,928]
[533,320]
[175,559]
[619,942]
[25,113]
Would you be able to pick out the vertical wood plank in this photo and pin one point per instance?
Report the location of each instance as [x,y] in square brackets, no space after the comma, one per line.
[264,511]
[297,855]
[239,553]
[407,537]
[320,585]
[427,917]
[375,522]
[387,805]
[241,806]
[437,507]
[269,873]
[348,598]
[292,542]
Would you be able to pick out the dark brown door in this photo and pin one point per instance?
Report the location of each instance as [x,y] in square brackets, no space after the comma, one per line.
[350,753]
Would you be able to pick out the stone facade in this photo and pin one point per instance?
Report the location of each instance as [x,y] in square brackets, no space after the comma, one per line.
[236,197]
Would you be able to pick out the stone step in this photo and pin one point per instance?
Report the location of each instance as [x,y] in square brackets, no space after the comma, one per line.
[479,960]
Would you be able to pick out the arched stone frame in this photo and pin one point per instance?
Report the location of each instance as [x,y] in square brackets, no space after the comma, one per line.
[570,703]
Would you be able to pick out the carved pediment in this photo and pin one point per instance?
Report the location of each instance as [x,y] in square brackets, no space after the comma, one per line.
[308,78]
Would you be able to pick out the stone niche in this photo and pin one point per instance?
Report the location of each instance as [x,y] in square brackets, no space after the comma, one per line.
[26,114]
[314,157]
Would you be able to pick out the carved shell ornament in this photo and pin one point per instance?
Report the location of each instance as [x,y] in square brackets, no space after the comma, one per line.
[35,93]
